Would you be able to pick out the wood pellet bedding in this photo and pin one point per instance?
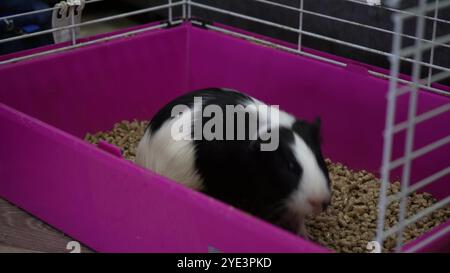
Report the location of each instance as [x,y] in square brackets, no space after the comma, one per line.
[350,221]
[125,135]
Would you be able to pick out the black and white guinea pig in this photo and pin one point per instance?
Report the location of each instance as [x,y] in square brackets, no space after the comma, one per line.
[281,186]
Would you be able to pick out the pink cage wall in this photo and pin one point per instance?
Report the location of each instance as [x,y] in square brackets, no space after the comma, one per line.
[49,103]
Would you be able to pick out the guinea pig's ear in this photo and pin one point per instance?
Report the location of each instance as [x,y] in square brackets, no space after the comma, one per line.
[316,128]
[317,122]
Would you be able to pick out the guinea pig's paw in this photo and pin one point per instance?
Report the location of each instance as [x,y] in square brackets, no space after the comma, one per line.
[305,236]
[303,232]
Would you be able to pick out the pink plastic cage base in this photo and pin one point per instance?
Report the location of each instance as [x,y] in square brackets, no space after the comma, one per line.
[49,103]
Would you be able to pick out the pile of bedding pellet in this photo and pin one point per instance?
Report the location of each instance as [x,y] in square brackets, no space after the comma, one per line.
[125,135]
[350,221]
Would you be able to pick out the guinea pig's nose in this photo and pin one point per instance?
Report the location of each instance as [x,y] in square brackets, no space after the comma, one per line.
[315,203]
[319,204]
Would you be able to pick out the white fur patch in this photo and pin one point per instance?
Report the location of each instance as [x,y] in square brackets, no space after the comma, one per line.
[168,157]
[276,118]
[313,183]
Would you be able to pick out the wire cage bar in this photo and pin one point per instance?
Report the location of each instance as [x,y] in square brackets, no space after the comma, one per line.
[187,5]
[409,125]
[100,20]
[443,40]
[398,85]
[40,11]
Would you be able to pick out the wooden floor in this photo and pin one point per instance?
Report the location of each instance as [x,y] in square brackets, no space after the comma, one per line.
[22,233]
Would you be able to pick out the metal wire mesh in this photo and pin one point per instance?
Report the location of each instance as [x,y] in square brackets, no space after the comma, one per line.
[76,41]
[395,90]
[418,46]
[214,9]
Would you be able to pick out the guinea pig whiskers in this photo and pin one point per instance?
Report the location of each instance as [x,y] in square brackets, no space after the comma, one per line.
[274,210]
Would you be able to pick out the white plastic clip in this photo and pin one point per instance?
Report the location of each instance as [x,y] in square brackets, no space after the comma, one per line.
[9,24]
[374,2]
[67,13]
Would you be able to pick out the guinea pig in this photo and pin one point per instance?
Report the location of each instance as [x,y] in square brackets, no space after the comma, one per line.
[281,185]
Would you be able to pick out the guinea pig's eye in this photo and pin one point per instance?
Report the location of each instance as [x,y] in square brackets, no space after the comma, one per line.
[291,166]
